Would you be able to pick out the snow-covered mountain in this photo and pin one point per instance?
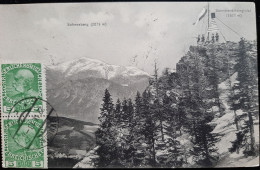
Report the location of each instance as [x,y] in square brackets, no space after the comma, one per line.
[76,88]
[97,68]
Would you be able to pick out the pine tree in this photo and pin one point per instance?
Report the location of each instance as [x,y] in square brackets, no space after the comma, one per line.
[246,98]
[118,110]
[232,98]
[130,148]
[121,128]
[124,114]
[149,129]
[105,135]
[203,140]
[118,138]
[139,120]
[213,79]
[174,156]
[157,106]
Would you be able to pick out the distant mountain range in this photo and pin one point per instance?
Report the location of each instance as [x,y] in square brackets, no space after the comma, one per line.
[76,88]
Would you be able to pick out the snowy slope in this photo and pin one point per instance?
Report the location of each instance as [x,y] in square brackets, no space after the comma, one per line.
[225,126]
[99,68]
[87,161]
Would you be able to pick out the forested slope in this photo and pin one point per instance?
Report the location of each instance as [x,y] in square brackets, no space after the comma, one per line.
[205,114]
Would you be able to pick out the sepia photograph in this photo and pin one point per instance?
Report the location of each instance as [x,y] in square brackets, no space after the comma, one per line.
[129,85]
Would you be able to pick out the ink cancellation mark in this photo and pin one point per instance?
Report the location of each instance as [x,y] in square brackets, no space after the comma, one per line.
[24,133]
[25,139]
[49,121]
[21,81]
[19,155]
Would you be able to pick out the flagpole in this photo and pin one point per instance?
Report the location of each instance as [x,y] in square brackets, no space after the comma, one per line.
[208,20]
[208,14]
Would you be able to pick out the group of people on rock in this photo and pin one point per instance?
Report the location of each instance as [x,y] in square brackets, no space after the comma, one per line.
[214,38]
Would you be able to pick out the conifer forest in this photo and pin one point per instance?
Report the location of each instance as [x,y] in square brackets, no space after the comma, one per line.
[177,121]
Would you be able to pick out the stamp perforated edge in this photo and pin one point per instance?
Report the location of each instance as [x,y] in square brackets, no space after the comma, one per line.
[43,73]
[45,151]
[44,96]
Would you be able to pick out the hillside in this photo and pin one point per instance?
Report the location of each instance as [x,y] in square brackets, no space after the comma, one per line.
[75,88]
[218,60]
[202,115]
[226,127]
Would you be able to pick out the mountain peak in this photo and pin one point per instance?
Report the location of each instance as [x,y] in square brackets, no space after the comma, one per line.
[76,87]
[86,59]
[97,68]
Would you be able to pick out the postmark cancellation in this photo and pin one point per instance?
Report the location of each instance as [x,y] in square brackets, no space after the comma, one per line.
[20,81]
[23,115]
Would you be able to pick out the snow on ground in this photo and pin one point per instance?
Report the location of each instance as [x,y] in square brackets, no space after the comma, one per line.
[226,127]
[256,128]
[86,162]
[238,160]
[252,162]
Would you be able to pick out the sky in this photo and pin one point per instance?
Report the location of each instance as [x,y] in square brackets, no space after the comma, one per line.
[134,33]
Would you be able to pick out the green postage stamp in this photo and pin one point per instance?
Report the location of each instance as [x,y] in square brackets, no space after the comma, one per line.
[23,115]
[24,145]
[22,81]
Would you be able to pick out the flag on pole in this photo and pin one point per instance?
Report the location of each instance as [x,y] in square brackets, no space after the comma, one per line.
[201,15]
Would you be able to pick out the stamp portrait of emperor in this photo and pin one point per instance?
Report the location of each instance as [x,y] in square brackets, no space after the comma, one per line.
[23,144]
[23,84]
[20,82]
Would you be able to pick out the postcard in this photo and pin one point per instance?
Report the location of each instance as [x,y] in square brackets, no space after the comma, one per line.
[129,85]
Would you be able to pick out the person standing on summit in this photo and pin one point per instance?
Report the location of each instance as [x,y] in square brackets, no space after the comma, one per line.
[202,38]
[198,39]
[213,38]
[217,37]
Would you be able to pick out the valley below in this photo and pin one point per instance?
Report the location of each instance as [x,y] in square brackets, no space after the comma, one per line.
[71,143]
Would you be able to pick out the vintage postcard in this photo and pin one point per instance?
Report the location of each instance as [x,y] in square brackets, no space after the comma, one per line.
[129,85]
